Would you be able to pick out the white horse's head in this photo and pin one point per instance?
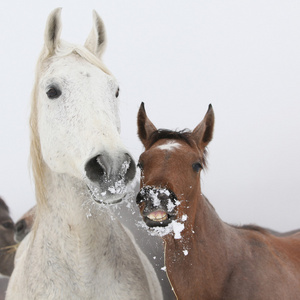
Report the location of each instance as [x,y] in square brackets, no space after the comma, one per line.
[74,119]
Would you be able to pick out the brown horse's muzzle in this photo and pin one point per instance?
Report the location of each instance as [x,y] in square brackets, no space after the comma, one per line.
[157,205]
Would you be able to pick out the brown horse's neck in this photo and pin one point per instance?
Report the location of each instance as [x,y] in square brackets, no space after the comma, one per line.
[199,255]
[7,263]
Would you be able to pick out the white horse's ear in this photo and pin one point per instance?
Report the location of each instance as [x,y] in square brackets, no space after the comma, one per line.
[145,126]
[203,133]
[53,30]
[96,40]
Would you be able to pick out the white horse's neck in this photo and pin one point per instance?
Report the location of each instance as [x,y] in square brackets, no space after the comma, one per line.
[77,221]
[70,203]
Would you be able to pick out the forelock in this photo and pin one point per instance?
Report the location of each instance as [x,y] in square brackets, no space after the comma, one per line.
[182,135]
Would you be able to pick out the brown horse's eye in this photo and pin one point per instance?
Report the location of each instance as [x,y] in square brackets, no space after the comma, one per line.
[197,167]
[8,225]
[117,93]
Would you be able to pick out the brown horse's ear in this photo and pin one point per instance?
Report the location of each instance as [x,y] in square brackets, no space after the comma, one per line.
[145,126]
[203,133]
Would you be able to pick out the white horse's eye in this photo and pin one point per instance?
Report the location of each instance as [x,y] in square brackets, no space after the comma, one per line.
[53,92]
[117,93]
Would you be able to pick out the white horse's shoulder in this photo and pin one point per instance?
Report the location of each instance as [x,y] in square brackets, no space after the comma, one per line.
[15,286]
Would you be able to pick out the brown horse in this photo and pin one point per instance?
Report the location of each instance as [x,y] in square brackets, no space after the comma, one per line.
[6,240]
[7,252]
[206,258]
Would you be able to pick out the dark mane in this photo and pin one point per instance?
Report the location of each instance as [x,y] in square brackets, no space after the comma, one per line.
[3,205]
[253,228]
[183,135]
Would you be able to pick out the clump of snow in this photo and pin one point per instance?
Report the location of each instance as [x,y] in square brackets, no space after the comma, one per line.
[119,187]
[164,268]
[170,205]
[177,228]
[184,218]
[154,196]
[185,252]
[177,202]
[124,168]
[88,214]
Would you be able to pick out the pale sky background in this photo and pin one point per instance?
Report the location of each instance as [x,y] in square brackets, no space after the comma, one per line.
[177,57]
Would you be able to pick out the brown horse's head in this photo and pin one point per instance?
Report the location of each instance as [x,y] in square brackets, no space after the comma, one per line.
[7,252]
[170,169]
[24,224]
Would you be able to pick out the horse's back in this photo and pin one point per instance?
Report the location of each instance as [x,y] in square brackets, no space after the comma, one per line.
[267,267]
[296,234]
[283,234]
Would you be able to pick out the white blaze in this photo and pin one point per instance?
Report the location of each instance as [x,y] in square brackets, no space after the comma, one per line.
[170,146]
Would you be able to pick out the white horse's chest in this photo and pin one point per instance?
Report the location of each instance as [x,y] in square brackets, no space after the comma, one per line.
[70,268]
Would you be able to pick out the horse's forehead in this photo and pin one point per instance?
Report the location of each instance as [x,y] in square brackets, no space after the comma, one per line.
[60,65]
[73,65]
[4,215]
[167,149]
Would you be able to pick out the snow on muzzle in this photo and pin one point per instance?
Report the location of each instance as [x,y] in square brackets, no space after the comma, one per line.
[158,205]
[108,177]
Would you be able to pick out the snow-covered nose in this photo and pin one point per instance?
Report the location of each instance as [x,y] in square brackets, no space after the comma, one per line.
[155,196]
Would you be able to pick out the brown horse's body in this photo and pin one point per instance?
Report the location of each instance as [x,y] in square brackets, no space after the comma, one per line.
[210,259]
[226,262]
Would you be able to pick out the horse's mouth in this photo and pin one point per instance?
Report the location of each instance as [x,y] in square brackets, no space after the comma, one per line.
[105,197]
[158,217]
[158,206]
[108,202]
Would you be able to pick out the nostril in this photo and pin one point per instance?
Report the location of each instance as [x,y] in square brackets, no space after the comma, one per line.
[131,169]
[139,198]
[95,168]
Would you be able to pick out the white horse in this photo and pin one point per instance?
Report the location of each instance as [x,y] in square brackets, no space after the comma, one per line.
[76,249]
